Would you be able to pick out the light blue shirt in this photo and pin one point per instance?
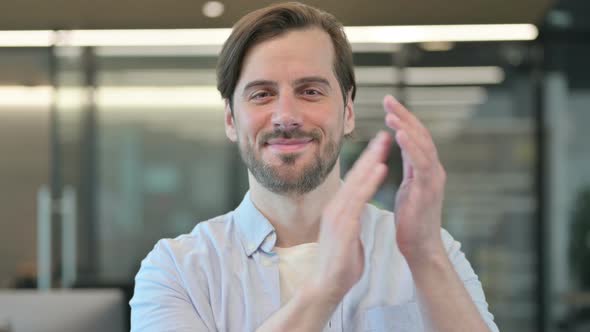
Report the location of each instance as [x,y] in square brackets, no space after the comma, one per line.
[224,276]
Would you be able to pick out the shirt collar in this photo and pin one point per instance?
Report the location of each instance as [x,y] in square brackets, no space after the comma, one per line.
[254,230]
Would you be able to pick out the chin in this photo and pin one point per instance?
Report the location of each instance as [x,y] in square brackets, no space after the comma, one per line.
[285,159]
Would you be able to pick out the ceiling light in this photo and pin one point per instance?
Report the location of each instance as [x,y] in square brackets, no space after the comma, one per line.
[369,97]
[25,96]
[437,96]
[434,33]
[159,97]
[453,75]
[37,38]
[474,75]
[195,37]
[190,97]
[158,51]
[375,48]
[162,37]
[440,46]
[213,9]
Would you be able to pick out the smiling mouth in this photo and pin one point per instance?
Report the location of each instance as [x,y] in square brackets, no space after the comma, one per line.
[288,145]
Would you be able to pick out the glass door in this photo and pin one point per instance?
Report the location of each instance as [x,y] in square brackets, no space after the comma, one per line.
[144,148]
[25,157]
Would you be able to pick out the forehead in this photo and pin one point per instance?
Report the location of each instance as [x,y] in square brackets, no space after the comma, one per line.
[294,54]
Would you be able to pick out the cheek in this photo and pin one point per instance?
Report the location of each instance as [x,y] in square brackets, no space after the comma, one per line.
[333,123]
[251,126]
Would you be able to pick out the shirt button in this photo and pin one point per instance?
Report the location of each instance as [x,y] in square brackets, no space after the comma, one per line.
[266,262]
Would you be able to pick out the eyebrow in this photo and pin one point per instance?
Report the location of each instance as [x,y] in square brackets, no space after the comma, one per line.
[312,79]
[299,81]
[256,83]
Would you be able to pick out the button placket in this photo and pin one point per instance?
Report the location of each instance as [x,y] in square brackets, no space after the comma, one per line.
[335,322]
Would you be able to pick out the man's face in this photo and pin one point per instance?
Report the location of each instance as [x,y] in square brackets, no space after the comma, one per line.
[289,115]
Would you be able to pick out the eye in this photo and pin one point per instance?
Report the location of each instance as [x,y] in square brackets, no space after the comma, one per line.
[260,95]
[311,92]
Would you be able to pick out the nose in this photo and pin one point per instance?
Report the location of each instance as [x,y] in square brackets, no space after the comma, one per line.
[287,116]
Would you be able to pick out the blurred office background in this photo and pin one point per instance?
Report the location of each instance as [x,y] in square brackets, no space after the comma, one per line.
[107,145]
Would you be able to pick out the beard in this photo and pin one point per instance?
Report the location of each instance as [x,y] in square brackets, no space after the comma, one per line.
[285,179]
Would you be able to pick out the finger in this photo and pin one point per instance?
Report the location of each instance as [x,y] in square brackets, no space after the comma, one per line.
[385,145]
[412,155]
[397,113]
[396,110]
[414,136]
[393,106]
[374,153]
[363,171]
[360,197]
[408,172]
[415,131]
[427,148]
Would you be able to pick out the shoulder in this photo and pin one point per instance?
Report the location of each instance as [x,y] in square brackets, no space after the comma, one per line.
[205,239]
[175,280]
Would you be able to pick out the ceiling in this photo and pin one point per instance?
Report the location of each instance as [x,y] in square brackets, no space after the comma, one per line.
[143,14]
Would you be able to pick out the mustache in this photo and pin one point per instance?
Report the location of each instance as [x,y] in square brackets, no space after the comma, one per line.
[313,134]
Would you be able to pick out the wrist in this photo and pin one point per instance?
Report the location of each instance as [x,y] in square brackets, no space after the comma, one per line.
[428,261]
[309,310]
[320,293]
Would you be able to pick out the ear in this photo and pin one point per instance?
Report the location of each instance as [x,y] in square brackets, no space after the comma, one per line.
[230,127]
[348,114]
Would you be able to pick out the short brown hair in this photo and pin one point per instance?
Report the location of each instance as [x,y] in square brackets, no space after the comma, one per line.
[273,21]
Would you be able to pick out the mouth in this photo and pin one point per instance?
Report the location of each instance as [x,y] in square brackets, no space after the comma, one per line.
[288,145]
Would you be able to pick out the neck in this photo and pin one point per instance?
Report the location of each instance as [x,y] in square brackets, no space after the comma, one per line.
[295,217]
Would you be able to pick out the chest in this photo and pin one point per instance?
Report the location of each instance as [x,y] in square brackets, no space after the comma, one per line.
[249,291]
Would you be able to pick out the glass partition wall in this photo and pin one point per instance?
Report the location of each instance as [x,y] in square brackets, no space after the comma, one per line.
[142,154]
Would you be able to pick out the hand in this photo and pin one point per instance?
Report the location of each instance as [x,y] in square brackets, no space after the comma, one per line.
[341,260]
[418,204]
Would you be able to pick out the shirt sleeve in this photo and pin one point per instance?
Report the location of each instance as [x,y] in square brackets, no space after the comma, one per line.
[161,302]
[469,278]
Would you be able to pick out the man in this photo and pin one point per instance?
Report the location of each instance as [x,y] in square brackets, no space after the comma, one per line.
[304,251]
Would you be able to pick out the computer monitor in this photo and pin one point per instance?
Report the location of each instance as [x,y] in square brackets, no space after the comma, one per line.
[62,310]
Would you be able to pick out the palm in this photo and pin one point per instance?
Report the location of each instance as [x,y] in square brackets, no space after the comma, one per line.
[404,214]
[418,203]
[416,210]
[341,260]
